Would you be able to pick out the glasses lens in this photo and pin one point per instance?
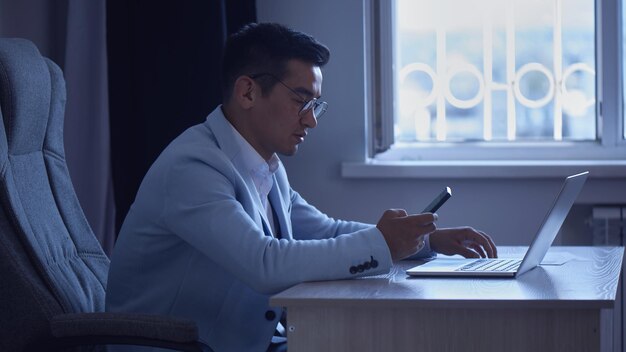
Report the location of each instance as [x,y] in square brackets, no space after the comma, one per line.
[319,109]
[307,106]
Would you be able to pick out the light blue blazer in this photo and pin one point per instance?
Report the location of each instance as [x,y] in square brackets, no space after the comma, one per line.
[194,243]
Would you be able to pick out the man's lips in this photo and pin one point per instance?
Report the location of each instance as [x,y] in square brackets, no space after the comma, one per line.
[300,136]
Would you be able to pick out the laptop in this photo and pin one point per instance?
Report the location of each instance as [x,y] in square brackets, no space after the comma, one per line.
[494,267]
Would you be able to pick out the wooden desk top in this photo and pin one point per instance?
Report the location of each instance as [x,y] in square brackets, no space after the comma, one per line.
[587,279]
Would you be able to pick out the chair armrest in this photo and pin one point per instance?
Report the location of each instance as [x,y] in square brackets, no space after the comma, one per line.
[125,328]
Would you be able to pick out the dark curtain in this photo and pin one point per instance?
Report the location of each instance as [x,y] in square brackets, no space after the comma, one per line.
[164,59]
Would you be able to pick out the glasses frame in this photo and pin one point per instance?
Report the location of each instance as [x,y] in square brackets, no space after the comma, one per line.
[318,107]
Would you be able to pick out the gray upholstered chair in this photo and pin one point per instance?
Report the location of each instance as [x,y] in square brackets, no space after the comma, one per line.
[52,269]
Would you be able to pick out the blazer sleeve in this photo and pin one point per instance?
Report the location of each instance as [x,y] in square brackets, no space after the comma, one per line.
[310,223]
[204,208]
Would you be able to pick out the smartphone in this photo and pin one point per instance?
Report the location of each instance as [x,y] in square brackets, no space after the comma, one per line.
[438,202]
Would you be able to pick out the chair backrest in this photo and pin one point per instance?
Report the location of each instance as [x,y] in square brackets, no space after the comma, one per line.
[49,243]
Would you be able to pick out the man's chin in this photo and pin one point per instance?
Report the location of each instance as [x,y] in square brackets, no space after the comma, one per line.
[289,152]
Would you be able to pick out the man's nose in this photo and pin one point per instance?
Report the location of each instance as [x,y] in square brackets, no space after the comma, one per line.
[309,119]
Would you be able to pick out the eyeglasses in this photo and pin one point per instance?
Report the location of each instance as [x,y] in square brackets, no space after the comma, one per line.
[319,107]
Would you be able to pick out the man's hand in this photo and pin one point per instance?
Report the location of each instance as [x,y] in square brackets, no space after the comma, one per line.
[402,231]
[465,241]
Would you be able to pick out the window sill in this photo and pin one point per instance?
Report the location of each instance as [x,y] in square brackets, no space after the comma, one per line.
[483,169]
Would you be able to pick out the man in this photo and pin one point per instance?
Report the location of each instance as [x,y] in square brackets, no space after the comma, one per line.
[215,228]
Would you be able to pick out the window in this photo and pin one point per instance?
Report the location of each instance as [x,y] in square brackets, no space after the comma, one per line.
[493,79]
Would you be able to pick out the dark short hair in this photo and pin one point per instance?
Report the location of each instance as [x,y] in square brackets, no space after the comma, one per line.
[266,48]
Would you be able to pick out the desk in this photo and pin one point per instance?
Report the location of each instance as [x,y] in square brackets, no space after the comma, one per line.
[550,308]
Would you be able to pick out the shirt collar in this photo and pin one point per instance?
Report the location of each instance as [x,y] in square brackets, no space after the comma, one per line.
[260,170]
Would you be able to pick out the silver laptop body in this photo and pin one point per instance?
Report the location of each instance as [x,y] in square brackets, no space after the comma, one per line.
[512,267]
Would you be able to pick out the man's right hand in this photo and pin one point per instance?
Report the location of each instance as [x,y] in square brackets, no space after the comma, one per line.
[402,231]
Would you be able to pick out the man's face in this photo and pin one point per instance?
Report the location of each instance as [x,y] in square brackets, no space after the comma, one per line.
[277,125]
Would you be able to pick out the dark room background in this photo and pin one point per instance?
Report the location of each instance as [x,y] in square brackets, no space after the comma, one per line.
[138,73]
[164,59]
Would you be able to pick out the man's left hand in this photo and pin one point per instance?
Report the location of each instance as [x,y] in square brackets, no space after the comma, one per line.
[465,241]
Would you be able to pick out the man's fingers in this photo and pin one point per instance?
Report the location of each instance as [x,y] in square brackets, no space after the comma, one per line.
[401,231]
[465,241]
[487,244]
[482,240]
[400,212]
[394,213]
[417,225]
[467,253]
[422,219]
[494,249]
[476,247]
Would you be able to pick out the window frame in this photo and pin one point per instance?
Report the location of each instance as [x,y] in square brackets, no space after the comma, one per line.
[610,144]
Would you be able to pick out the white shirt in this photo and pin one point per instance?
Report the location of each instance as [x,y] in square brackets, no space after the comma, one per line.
[260,171]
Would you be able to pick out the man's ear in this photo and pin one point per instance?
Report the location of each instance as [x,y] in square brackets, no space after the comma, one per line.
[245,92]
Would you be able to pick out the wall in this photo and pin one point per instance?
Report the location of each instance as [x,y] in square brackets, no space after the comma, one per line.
[510,210]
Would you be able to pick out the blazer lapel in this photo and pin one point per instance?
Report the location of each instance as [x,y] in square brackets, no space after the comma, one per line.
[266,226]
[276,200]
[222,131]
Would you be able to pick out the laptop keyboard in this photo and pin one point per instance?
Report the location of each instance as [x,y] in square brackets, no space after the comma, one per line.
[491,265]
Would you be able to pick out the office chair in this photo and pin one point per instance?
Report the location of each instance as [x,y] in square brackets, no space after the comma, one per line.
[52,269]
